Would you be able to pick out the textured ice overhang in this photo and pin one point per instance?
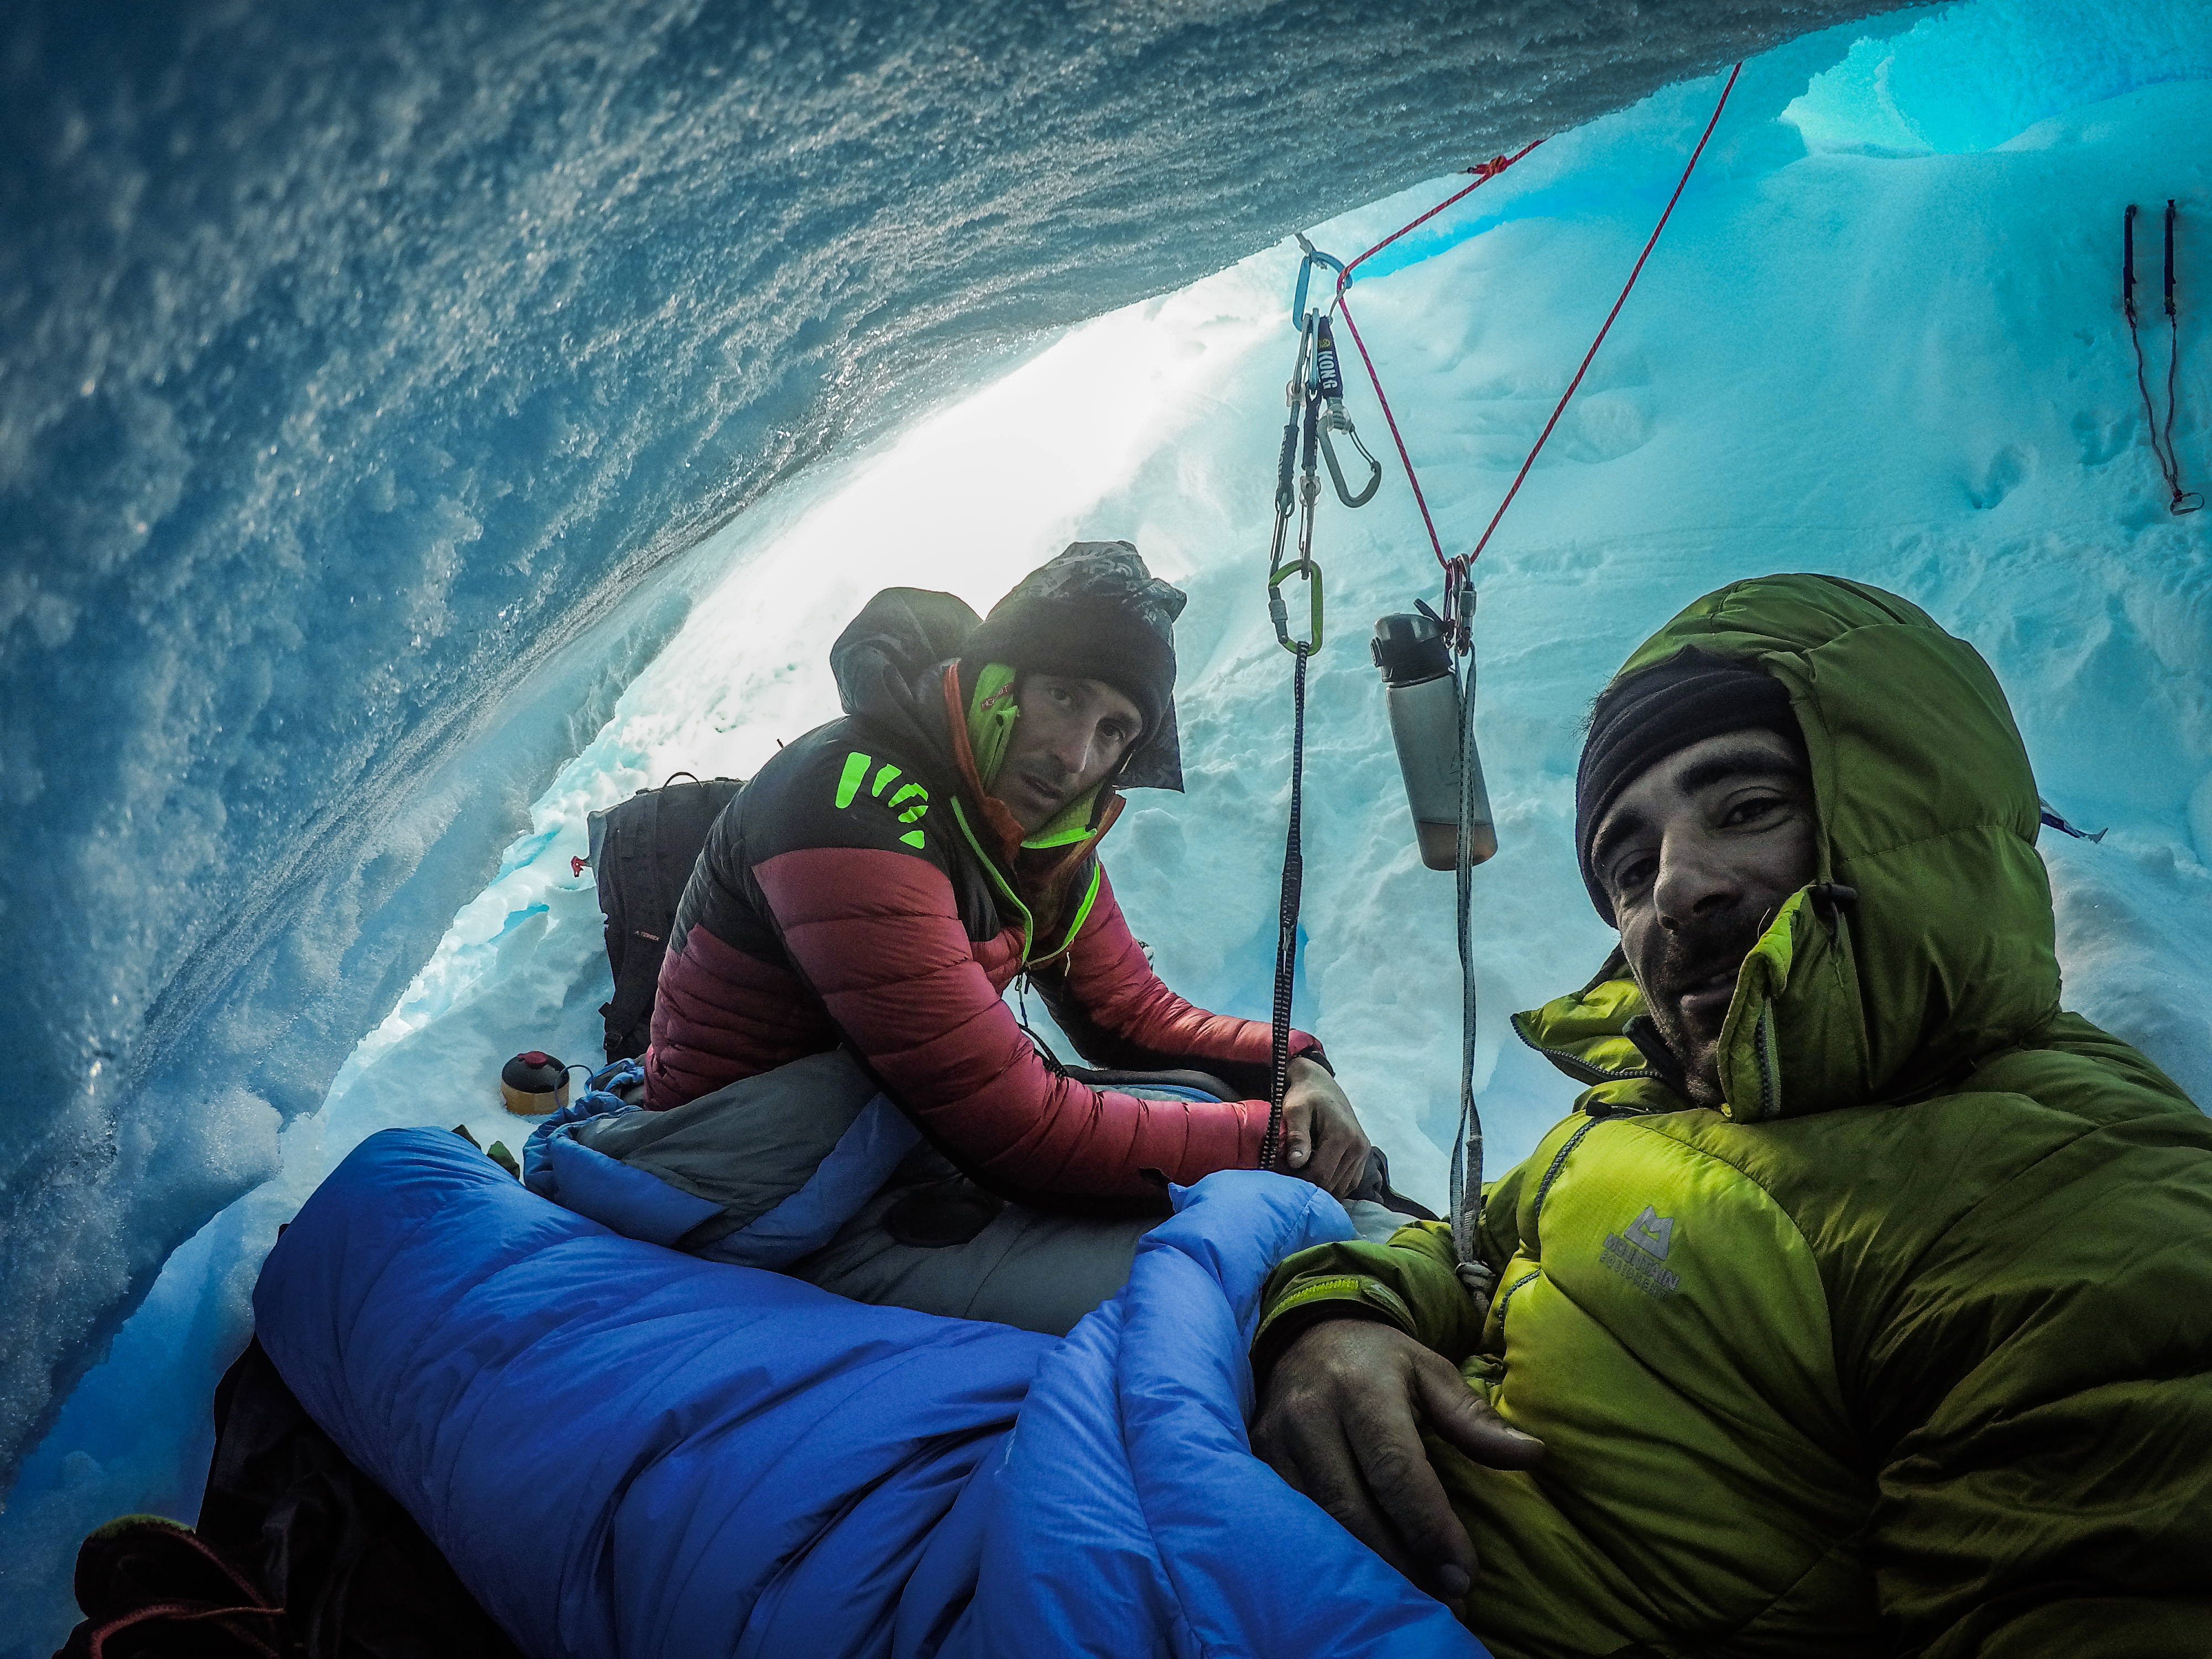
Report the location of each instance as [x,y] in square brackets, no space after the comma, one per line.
[358,358]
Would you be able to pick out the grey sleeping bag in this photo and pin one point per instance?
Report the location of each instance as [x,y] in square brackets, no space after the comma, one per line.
[810,1169]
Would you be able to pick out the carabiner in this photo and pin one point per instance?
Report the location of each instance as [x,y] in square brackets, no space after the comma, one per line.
[1336,421]
[1458,619]
[1328,381]
[1279,609]
[1314,257]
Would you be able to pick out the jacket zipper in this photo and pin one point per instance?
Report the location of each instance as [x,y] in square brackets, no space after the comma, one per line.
[1576,1066]
[998,880]
[1536,1217]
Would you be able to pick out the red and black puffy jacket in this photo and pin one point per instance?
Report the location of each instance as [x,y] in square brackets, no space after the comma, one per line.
[843,896]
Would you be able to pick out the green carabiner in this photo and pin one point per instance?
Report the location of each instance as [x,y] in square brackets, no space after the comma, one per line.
[1310,569]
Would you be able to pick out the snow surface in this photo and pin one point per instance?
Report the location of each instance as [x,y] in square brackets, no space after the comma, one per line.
[1881,338]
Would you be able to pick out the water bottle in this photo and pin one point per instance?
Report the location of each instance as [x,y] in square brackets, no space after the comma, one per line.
[1424,723]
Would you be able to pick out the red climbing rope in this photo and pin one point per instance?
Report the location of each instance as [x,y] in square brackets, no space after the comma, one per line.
[1420,500]
[1488,171]
[1483,174]
[1652,242]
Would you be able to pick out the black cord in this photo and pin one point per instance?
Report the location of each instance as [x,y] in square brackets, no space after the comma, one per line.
[1044,1049]
[2184,500]
[1286,941]
[2160,433]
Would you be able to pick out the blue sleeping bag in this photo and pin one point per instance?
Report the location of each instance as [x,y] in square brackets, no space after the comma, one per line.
[629,1451]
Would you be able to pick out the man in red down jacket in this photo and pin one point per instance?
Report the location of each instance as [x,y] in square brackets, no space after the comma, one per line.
[885,877]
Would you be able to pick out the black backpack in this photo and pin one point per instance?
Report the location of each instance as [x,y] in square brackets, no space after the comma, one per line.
[642,852]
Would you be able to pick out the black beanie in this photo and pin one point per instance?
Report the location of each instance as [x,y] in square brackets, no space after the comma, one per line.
[1095,612]
[1642,718]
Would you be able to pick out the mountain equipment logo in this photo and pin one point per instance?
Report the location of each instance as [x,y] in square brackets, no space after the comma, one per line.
[1637,1257]
[911,796]
[1652,1232]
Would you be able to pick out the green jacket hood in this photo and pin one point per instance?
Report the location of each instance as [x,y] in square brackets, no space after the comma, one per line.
[1928,810]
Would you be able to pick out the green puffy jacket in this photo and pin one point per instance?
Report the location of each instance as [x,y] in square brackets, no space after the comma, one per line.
[1904,1349]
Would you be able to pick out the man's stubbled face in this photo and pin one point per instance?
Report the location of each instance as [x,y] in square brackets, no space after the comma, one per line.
[1073,734]
[1698,854]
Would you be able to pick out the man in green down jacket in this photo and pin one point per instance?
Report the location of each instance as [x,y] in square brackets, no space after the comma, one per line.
[1864,1305]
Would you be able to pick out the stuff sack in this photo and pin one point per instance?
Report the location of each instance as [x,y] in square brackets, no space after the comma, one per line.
[642,852]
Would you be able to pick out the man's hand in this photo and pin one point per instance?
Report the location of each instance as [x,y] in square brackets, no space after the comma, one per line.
[1341,1421]
[1322,1141]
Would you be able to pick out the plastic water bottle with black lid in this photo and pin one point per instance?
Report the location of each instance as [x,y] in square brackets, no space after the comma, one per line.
[1424,699]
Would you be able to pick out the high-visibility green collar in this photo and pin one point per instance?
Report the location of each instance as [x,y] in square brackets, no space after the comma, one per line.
[992,716]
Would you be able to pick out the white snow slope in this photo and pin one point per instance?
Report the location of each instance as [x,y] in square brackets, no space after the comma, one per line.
[1881,338]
